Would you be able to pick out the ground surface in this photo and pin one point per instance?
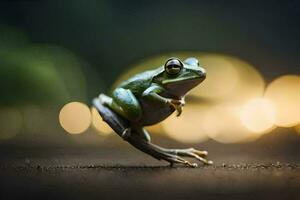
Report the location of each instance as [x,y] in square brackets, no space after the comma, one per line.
[262,170]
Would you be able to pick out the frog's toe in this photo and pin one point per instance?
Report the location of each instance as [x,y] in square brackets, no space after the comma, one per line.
[203,160]
[200,153]
[173,159]
[189,164]
[179,111]
[210,162]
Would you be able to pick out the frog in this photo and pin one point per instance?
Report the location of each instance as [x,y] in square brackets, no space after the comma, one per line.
[150,97]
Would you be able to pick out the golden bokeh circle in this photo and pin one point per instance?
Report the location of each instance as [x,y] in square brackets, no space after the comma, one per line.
[284,92]
[75,117]
[258,115]
[227,126]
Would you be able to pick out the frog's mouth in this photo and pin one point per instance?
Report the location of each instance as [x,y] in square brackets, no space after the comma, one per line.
[183,79]
[181,86]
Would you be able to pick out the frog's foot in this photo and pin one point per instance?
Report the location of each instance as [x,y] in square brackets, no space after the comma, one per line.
[177,105]
[191,152]
[173,159]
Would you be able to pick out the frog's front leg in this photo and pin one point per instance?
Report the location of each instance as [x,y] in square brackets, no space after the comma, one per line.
[153,94]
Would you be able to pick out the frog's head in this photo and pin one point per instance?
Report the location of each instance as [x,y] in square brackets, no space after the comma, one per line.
[180,77]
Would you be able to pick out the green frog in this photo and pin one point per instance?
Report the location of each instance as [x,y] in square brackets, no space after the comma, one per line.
[151,96]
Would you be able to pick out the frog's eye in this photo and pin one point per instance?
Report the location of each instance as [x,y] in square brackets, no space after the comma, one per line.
[173,66]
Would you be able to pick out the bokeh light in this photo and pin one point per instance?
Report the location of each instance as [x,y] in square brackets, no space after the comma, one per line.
[156,129]
[226,125]
[10,122]
[220,71]
[222,77]
[229,79]
[189,127]
[258,115]
[75,117]
[284,92]
[102,127]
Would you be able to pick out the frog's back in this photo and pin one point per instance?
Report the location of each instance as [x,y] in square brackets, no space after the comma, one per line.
[139,82]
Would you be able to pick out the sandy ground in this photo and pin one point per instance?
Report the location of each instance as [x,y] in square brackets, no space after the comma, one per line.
[261,170]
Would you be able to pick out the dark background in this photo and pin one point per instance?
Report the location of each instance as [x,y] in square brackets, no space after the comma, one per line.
[95,41]
[110,35]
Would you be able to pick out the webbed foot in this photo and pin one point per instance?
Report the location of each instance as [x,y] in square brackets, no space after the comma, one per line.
[191,152]
[194,153]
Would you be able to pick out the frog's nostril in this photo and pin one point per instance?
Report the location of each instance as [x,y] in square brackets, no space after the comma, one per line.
[204,72]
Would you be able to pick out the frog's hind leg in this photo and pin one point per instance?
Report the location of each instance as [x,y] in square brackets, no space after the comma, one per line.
[124,103]
[136,138]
